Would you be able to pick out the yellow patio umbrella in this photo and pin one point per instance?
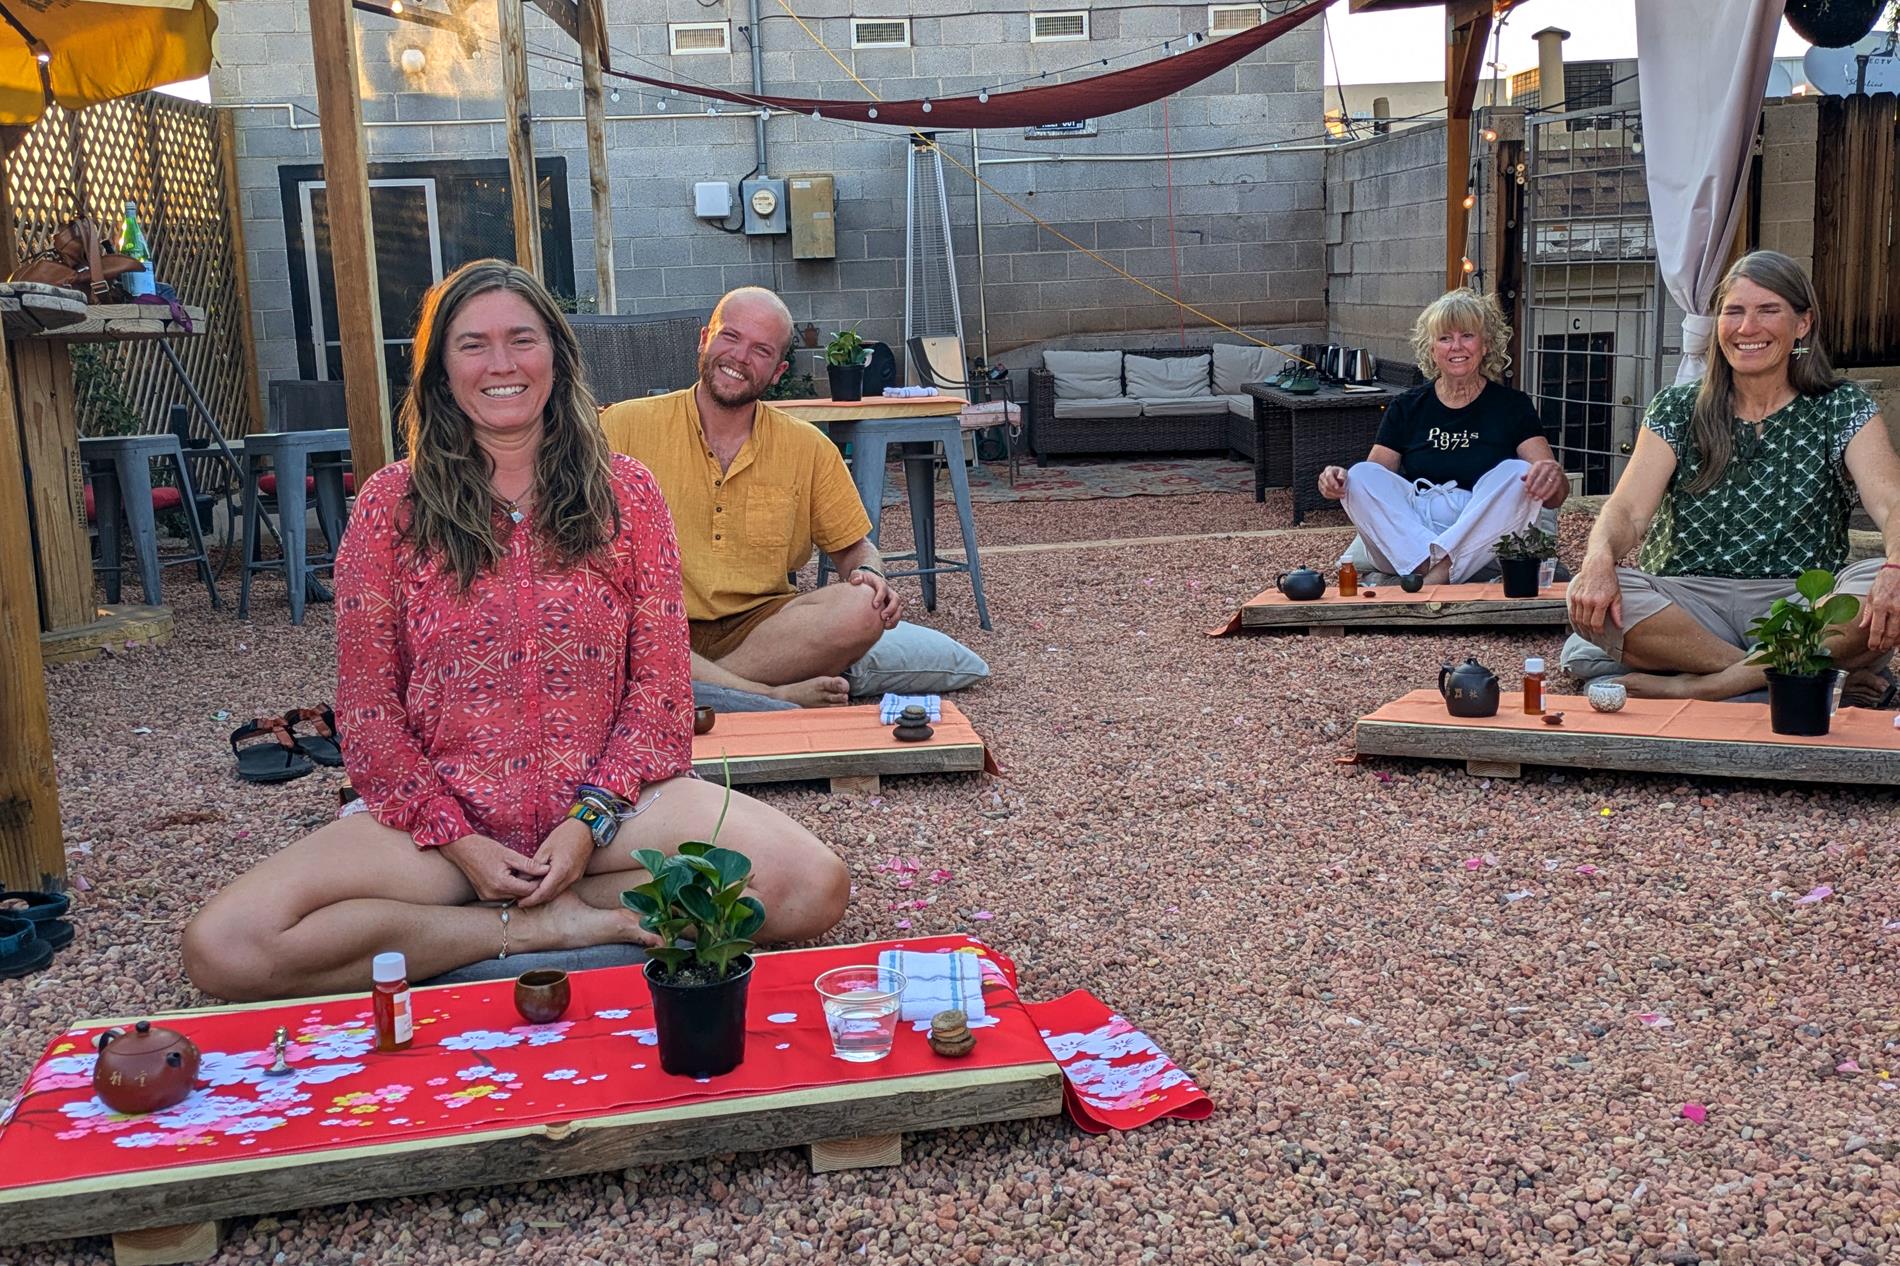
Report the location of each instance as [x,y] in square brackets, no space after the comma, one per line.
[81,52]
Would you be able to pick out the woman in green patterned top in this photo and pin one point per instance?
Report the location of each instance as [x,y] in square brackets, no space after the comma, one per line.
[1738,484]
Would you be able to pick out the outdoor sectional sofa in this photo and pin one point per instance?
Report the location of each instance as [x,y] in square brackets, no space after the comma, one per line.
[1148,400]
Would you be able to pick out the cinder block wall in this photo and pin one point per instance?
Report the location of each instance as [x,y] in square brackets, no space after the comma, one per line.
[1789,134]
[1385,238]
[1245,231]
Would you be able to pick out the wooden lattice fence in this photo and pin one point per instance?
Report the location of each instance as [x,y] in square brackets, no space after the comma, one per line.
[173,157]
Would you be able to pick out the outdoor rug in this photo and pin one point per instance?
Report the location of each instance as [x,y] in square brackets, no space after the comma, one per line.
[1089,479]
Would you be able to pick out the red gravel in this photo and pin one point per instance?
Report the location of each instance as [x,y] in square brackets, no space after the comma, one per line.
[1412,1061]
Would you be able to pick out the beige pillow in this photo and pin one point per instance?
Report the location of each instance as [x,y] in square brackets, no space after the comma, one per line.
[1167,378]
[1085,375]
[1236,365]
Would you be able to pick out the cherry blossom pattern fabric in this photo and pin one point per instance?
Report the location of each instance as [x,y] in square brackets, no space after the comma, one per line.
[1114,1076]
[479,712]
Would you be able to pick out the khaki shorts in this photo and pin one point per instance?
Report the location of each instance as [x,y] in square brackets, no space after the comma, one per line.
[716,639]
[1723,606]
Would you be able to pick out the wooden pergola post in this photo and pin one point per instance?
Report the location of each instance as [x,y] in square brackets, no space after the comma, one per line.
[519,114]
[1467,30]
[593,40]
[359,311]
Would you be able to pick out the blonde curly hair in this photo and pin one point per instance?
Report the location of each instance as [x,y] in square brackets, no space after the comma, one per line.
[1468,312]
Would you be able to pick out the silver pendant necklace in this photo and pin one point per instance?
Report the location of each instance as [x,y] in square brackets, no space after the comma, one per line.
[515,512]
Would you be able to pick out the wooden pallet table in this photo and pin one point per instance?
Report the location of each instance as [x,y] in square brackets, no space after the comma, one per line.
[1433,607]
[849,747]
[170,1211]
[1663,736]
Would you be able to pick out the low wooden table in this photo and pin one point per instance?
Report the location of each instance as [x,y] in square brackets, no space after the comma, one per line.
[1296,437]
[854,1118]
[849,747]
[1433,607]
[1661,736]
[49,427]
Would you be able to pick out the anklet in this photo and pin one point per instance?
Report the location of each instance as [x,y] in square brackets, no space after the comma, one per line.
[506,911]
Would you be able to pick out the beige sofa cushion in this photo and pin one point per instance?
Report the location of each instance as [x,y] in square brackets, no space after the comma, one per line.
[1237,364]
[1181,406]
[1085,375]
[1166,378]
[1116,407]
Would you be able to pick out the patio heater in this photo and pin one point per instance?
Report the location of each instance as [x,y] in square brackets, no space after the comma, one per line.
[931,305]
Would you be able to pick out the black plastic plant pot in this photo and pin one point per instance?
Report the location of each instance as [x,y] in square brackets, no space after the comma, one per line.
[701,1026]
[847,381]
[1520,576]
[1833,23]
[1798,703]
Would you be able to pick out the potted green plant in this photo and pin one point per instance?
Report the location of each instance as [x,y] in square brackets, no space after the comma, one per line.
[844,364]
[699,989]
[1521,557]
[1790,642]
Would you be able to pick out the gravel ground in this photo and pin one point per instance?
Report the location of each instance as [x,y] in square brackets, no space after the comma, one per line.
[1417,1014]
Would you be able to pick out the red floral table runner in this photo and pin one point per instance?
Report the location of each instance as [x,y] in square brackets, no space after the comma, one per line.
[474,1067]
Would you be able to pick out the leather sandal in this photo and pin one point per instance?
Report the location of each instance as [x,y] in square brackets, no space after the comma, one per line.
[43,911]
[22,952]
[276,760]
[320,746]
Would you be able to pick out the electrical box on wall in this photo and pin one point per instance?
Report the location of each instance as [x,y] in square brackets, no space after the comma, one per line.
[712,199]
[814,217]
[764,205]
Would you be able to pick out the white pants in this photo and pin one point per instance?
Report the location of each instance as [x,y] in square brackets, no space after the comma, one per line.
[1407,525]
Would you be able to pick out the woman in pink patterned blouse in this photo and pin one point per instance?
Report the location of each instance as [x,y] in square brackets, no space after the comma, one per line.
[511,644]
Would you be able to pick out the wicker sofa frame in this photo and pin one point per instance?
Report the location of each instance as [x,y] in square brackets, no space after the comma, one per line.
[1217,429]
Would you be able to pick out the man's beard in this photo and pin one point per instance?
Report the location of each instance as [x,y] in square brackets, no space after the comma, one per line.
[727,392]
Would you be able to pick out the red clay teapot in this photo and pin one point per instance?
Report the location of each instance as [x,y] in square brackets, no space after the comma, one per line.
[144,1069]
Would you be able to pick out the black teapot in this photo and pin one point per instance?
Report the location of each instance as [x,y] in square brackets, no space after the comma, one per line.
[1301,585]
[1470,689]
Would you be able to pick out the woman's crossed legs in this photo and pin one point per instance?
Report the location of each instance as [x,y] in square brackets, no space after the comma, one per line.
[307,920]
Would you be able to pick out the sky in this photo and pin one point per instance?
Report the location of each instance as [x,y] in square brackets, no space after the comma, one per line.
[1406,45]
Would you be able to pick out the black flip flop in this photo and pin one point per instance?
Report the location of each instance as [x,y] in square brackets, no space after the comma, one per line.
[321,746]
[22,952]
[43,911]
[275,761]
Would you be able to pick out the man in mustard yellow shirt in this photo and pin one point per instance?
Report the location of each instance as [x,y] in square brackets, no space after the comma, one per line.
[752,490]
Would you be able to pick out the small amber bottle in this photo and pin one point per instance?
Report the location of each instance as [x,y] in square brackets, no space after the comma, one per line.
[1348,579]
[1534,687]
[389,1002]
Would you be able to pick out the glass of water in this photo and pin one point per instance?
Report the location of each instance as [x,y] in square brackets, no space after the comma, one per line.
[861,1006]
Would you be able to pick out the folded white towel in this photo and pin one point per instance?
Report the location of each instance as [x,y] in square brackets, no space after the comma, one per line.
[908,393]
[937,982]
[895,704]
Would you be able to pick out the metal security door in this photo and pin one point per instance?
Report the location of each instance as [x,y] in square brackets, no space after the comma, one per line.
[1594,310]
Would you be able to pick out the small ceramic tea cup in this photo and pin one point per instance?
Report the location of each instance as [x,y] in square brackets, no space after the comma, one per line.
[703,720]
[541,996]
[1607,696]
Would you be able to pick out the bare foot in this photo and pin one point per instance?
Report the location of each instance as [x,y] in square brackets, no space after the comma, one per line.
[815,692]
[1730,682]
[1439,572]
[568,922]
[1868,688]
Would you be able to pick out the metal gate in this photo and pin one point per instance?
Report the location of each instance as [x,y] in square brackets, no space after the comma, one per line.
[1595,313]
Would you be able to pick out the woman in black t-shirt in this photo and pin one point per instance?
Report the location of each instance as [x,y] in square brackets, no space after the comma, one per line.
[1459,461]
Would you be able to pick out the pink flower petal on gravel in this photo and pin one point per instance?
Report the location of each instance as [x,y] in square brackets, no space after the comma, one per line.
[1586,869]
[906,882]
[1816,895]
[1695,1112]
[1656,1020]
[983,916]
[1382,775]
[903,924]
[939,875]
[1847,1066]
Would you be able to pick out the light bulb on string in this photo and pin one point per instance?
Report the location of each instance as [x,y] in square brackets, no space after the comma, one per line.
[614,95]
[1489,134]
[660,104]
[1469,266]
[984,96]
[395,8]
[871,113]
[1471,200]
[816,115]
[926,105]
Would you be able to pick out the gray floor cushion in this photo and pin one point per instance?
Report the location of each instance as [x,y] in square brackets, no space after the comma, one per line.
[721,699]
[914,660]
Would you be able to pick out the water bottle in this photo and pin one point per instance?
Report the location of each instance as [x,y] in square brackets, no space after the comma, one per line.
[132,243]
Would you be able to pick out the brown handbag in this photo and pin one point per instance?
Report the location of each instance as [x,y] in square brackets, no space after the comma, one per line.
[80,260]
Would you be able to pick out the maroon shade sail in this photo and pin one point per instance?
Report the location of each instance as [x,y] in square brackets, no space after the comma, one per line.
[1031,107]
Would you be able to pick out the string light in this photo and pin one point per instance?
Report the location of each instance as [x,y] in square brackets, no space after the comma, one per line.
[1471,200]
[872,113]
[984,96]
[1489,134]
[1469,266]
[816,115]
[395,8]
[926,105]
[614,95]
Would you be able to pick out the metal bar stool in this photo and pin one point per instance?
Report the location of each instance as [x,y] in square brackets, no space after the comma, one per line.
[289,455]
[121,489]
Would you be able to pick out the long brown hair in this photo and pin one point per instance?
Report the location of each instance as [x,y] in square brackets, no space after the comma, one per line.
[1712,417]
[451,500]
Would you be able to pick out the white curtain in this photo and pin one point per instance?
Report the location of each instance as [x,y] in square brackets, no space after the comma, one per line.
[1702,66]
